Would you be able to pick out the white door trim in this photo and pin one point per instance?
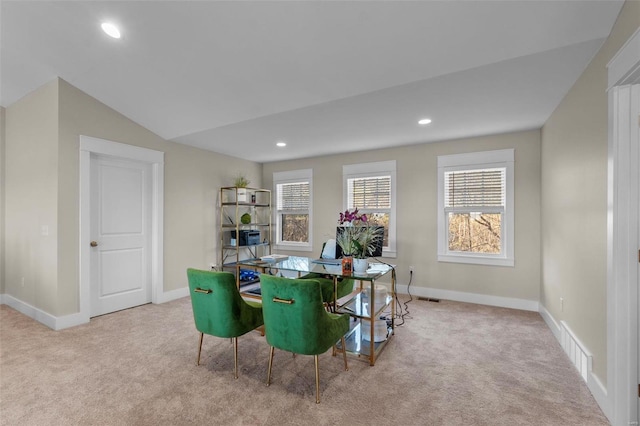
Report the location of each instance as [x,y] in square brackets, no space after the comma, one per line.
[624,67]
[89,145]
[622,238]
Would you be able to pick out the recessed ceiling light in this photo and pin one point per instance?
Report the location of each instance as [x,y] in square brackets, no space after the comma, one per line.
[281,144]
[110,29]
[424,121]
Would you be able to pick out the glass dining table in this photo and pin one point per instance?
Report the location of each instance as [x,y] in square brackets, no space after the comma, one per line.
[371,306]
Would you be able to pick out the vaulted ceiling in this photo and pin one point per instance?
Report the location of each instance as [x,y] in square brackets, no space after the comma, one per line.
[325,77]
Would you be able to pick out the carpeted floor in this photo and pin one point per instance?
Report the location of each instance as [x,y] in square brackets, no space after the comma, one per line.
[450,364]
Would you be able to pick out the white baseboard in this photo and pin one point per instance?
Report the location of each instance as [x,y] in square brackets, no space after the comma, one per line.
[170,295]
[51,321]
[599,392]
[553,325]
[480,299]
[580,357]
[72,320]
[30,311]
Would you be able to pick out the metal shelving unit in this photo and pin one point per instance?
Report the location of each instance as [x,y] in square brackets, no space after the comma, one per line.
[240,241]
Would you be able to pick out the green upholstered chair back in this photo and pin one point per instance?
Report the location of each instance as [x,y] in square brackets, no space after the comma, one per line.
[218,308]
[295,318]
[345,285]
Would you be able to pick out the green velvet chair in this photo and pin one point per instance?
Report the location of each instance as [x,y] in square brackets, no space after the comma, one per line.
[219,310]
[295,320]
[345,286]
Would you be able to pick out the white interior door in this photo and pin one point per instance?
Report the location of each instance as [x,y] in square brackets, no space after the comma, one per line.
[120,229]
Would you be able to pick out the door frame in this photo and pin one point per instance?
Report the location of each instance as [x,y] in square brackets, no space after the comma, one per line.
[90,145]
[623,240]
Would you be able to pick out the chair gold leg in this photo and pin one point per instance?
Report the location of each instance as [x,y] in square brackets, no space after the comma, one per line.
[199,349]
[235,357]
[315,358]
[344,353]
[270,364]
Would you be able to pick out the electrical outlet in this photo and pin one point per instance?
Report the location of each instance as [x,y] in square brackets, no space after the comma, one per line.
[411,269]
[22,282]
[562,304]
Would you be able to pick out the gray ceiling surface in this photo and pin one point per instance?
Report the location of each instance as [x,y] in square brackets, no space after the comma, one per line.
[325,77]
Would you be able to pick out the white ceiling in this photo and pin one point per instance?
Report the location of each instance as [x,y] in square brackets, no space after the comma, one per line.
[324,76]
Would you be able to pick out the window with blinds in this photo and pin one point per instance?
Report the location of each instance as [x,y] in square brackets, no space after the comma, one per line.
[372,195]
[474,202]
[475,207]
[370,188]
[293,212]
[293,205]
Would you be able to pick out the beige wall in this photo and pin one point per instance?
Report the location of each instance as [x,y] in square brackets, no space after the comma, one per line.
[192,179]
[574,200]
[31,198]
[417,213]
[2,192]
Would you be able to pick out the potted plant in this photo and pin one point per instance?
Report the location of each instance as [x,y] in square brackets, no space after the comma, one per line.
[357,239]
[241,183]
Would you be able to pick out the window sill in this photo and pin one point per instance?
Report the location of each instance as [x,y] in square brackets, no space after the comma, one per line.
[389,254]
[293,247]
[476,260]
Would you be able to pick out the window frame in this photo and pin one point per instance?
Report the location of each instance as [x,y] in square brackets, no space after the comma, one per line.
[503,158]
[371,170]
[292,176]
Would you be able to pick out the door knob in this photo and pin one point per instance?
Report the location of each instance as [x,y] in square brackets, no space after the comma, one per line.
[94,244]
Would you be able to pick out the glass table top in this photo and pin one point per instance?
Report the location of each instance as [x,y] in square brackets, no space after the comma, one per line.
[307,265]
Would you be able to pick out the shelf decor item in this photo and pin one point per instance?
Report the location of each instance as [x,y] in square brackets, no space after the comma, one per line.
[242,195]
[347,265]
[358,238]
[381,331]
[360,265]
[241,183]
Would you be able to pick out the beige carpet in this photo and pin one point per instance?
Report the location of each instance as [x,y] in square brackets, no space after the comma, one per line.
[451,364]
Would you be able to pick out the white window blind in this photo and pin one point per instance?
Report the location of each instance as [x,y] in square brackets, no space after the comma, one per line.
[293,196]
[370,193]
[475,188]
